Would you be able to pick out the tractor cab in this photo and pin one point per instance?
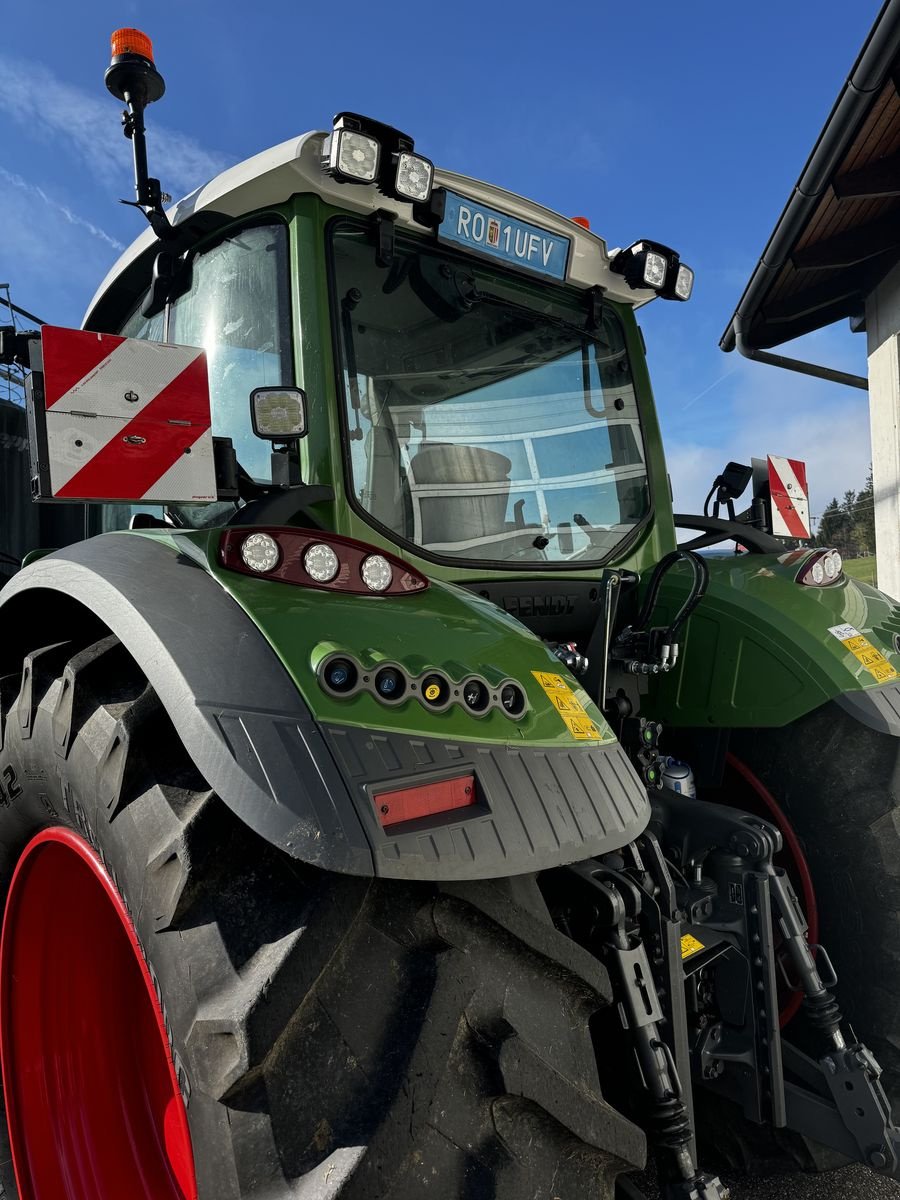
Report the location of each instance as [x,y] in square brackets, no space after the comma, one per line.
[472,374]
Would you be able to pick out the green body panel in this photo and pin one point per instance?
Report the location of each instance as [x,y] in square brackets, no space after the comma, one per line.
[444,628]
[758,652]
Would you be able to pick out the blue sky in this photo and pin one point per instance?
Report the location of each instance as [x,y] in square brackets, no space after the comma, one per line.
[686,122]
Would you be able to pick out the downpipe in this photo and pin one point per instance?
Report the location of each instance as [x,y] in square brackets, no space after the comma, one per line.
[794,364]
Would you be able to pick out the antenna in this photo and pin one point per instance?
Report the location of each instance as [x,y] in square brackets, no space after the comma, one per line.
[132,77]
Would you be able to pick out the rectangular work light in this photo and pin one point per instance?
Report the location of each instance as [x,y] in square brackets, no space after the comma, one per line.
[414,178]
[354,155]
[278,413]
[650,265]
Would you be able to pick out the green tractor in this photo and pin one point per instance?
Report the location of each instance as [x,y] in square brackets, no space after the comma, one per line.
[343,853]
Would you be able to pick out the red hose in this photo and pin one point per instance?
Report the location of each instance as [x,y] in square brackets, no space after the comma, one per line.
[801,867]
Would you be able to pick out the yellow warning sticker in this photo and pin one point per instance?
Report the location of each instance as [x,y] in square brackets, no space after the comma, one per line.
[432,692]
[550,682]
[690,945]
[569,707]
[863,650]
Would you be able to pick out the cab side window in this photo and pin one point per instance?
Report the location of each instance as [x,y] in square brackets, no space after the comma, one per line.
[238,310]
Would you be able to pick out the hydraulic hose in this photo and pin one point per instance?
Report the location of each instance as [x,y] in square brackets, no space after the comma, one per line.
[699,585]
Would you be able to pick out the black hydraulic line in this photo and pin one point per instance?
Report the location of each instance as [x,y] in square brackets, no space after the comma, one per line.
[696,594]
[701,579]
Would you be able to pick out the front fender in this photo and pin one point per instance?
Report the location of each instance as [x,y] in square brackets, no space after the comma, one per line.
[761,650]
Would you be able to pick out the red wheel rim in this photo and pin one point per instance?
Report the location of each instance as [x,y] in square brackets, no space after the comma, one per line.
[92,1099]
[798,867]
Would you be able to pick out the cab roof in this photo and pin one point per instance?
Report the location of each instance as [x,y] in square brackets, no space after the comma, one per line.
[295,167]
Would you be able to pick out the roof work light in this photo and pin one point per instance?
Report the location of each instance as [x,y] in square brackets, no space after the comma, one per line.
[651,265]
[362,150]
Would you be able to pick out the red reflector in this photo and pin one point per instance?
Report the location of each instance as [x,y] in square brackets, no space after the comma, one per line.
[409,804]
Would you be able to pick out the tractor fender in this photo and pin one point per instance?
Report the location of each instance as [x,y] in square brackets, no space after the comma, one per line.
[305,785]
[761,651]
[229,697]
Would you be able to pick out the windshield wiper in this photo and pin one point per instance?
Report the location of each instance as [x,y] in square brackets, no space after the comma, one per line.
[348,304]
[582,331]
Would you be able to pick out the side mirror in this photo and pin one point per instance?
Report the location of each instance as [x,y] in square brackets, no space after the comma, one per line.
[171,278]
[278,414]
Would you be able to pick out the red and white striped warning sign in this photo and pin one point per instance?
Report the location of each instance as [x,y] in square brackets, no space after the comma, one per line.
[790,497]
[126,419]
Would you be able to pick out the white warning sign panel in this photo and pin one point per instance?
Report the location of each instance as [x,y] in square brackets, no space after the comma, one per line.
[125,419]
[789,492]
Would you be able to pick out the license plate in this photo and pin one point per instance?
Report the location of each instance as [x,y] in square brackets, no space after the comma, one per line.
[473,225]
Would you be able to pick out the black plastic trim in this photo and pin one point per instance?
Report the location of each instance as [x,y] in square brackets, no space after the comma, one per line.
[877,708]
[538,806]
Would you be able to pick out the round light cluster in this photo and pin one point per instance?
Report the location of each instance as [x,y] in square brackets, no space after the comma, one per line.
[260,552]
[340,675]
[321,563]
[376,572]
[824,567]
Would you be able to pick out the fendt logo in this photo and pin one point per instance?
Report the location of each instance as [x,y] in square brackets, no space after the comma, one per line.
[539,606]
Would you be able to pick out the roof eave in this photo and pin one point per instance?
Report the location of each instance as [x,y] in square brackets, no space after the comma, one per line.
[867,77]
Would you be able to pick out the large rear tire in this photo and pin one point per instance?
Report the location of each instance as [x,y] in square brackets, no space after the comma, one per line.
[328,1036]
[838,783]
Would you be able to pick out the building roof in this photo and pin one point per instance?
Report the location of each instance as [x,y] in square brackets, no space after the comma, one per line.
[839,233]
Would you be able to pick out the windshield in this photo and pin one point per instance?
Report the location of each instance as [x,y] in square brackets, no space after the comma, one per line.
[486,422]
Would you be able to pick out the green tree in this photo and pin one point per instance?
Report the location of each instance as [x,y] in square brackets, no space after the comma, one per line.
[864,517]
[831,525]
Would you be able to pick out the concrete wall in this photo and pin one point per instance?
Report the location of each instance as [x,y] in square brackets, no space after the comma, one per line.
[883,326]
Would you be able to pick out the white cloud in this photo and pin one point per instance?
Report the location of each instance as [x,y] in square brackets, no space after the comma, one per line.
[32,189]
[52,262]
[773,411]
[47,107]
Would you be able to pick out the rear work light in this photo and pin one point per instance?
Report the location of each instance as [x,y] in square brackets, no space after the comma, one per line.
[427,800]
[823,568]
[310,558]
